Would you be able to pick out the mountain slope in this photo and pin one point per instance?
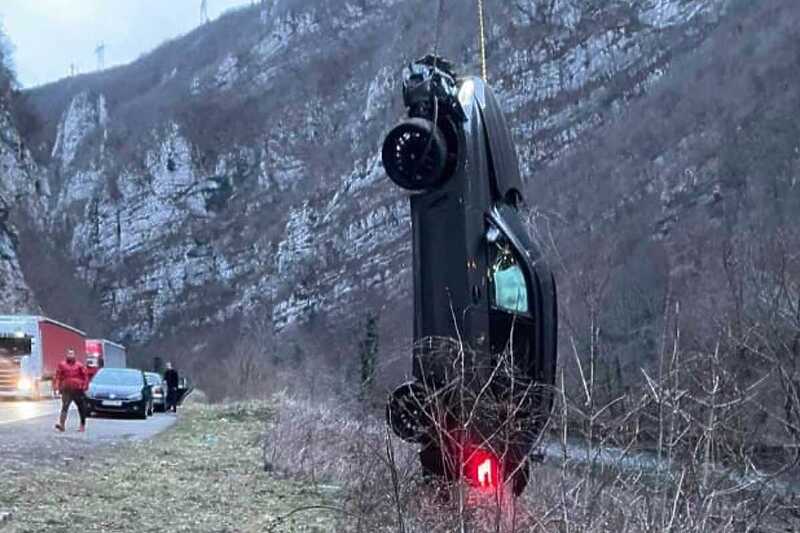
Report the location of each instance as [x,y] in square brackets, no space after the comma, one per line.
[232,174]
[685,205]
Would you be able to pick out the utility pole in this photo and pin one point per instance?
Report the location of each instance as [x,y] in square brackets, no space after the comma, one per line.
[100,51]
[204,11]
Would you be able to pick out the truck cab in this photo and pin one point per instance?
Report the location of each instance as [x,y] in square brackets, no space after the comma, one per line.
[15,352]
[30,349]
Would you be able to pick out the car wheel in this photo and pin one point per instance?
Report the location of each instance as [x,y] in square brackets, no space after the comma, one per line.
[415,154]
[142,414]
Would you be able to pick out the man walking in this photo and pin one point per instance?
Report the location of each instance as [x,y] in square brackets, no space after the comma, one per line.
[71,381]
[171,379]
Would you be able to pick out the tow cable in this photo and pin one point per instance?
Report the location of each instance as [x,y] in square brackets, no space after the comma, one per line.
[482,31]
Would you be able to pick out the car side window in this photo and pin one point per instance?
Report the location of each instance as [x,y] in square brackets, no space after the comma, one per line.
[509,288]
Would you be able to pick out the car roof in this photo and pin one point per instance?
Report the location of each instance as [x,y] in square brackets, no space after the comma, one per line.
[125,370]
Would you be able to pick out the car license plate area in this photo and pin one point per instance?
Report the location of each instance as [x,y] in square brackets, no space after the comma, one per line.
[112,403]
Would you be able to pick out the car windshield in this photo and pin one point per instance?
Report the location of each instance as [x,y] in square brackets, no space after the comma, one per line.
[152,379]
[14,345]
[125,378]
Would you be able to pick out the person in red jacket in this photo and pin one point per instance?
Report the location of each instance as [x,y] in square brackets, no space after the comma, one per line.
[71,381]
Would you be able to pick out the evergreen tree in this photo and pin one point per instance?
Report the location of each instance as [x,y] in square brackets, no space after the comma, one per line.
[369,353]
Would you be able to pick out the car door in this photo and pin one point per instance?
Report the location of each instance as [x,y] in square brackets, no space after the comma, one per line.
[522,313]
[147,390]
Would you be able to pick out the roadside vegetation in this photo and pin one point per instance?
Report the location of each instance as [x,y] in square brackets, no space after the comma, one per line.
[290,464]
[204,475]
[600,470]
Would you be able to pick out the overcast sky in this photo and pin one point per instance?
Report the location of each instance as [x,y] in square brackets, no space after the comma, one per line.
[50,35]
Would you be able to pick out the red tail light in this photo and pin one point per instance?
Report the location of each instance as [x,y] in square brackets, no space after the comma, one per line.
[485,478]
[482,469]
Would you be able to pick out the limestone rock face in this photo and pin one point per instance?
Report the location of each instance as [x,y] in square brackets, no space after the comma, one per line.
[236,169]
[21,191]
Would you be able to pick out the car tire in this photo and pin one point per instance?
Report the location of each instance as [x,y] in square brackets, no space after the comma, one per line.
[142,413]
[415,154]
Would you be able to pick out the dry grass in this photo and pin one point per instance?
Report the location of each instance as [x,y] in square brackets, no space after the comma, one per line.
[332,466]
[583,485]
[204,475]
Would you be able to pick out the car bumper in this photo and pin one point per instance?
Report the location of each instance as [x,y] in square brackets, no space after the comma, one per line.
[125,407]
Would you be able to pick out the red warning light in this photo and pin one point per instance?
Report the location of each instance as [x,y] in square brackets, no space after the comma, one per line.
[485,474]
[93,347]
[482,469]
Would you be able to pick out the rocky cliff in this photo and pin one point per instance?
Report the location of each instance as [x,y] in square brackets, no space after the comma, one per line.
[19,186]
[234,171]
[251,172]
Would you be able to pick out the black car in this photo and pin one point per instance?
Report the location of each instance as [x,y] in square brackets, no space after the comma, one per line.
[485,317]
[159,389]
[121,391]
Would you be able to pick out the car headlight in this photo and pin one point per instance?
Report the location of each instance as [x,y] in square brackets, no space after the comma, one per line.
[137,396]
[24,385]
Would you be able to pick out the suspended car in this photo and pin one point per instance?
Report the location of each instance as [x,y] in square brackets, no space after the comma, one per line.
[485,316]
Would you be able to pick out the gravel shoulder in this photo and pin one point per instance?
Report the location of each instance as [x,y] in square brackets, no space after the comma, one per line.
[27,445]
[204,474]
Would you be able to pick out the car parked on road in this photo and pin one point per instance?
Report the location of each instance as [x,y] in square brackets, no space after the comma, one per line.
[159,389]
[120,391]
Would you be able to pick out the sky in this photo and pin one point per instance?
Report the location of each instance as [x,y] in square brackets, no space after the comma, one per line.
[50,35]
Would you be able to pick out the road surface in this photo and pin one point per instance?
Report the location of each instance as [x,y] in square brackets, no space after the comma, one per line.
[28,439]
[16,411]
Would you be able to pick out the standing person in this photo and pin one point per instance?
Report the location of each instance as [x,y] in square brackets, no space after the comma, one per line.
[171,379]
[71,381]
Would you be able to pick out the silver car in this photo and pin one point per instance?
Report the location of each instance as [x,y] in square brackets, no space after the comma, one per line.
[159,388]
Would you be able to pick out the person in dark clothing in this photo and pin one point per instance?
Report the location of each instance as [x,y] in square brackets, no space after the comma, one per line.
[71,381]
[171,379]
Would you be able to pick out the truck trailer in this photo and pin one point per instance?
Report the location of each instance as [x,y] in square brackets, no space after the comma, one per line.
[102,353]
[30,349]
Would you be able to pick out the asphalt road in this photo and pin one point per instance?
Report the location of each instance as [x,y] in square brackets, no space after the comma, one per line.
[16,411]
[27,436]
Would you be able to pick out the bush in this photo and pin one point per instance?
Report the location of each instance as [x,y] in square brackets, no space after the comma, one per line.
[601,470]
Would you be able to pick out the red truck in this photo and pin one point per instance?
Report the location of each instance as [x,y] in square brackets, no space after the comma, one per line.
[30,349]
[102,353]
